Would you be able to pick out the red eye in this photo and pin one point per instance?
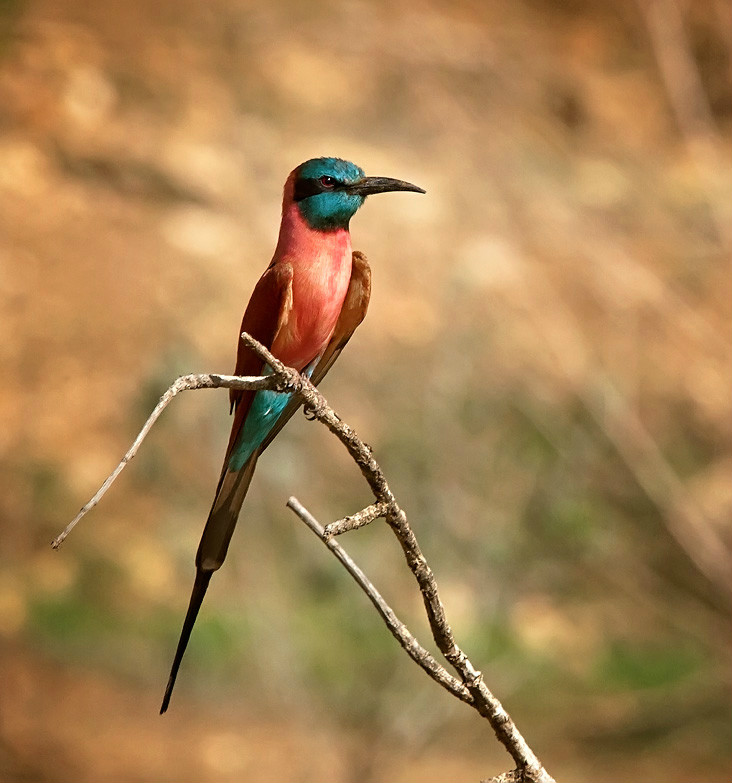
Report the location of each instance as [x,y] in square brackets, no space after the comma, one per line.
[327,182]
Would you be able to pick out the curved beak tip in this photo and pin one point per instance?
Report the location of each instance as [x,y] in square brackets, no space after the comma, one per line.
[370,185]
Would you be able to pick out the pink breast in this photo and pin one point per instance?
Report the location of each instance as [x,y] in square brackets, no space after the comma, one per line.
[321,263]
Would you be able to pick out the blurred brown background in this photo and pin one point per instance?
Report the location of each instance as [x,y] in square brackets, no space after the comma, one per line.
[544,375]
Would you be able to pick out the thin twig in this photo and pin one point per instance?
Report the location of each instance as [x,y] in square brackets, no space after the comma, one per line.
[398,630]
[484,701]
[184,383]
[472,690]
[354,521]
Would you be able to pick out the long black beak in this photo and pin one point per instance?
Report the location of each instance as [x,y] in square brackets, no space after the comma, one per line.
[370,185]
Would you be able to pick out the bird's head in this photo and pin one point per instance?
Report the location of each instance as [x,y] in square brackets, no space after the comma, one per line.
[329,191]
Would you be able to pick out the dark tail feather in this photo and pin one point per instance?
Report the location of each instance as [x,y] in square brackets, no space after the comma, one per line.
[212,550]
[224,515]
[199,591]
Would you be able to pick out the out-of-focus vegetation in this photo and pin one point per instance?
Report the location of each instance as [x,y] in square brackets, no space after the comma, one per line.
[544,374]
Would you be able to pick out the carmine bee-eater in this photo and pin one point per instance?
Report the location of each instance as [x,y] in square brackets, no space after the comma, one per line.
[305,307]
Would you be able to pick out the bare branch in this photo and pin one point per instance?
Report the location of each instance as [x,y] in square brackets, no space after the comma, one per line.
[514,776]
[484,701]
[360,519]
[470,688]
[399,631]
[184,383]
[266,356]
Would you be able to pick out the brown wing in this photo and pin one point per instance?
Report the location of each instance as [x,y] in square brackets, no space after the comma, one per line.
[352,313]
[266,313]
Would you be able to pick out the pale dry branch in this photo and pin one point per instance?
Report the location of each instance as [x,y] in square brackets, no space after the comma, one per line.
[184,383]
[514,776]
[470,688]
[528,765]
[354,521]
[398,630]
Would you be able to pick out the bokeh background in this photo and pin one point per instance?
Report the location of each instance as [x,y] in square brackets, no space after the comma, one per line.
[544,374]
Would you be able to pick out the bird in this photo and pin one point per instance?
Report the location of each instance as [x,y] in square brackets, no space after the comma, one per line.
[304,309]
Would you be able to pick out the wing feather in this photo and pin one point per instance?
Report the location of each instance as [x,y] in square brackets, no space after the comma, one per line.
[354,309]
[266,314]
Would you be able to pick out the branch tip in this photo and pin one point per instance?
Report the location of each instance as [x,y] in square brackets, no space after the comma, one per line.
[470,688]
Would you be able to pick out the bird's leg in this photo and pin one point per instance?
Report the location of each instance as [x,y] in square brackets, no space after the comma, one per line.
[309,413]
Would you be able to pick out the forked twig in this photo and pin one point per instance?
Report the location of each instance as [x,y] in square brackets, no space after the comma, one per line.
[398,630]
[470,688]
